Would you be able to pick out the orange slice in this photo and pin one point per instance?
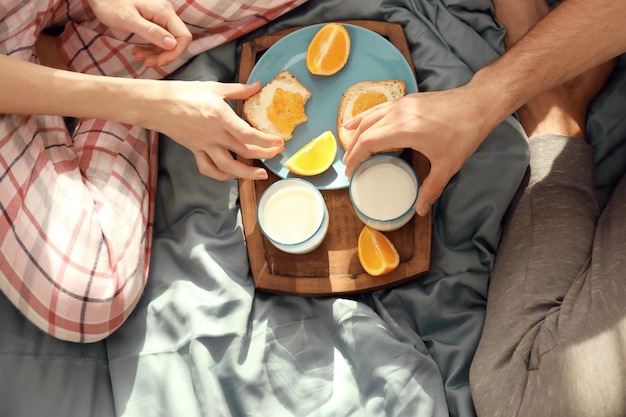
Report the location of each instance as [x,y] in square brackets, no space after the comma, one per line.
[378,256]
[329,49]
[315,157]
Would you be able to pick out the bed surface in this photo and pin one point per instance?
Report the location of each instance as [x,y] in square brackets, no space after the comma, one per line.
[202,341]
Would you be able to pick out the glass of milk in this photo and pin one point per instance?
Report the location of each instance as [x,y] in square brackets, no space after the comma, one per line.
[293,216]
[383,191]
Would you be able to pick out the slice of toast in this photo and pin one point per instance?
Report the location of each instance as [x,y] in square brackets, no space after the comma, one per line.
[362,96]
[282,100]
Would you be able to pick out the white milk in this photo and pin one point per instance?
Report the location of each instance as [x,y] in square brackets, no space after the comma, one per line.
[292,215]
[384,192]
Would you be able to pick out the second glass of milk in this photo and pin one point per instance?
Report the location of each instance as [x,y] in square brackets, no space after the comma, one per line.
[383,191]
[293,216]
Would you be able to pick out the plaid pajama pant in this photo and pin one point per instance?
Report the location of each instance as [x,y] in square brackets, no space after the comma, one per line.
[77,207]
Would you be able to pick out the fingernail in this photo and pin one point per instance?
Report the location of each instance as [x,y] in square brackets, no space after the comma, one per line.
[169,42]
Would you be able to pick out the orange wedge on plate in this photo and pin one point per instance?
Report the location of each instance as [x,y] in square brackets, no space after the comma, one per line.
[377,254]
[315,157]
[329,49]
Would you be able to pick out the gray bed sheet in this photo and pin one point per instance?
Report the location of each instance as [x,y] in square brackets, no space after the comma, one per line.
[203,342]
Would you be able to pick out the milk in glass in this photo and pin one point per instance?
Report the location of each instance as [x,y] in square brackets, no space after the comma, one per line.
[293,216]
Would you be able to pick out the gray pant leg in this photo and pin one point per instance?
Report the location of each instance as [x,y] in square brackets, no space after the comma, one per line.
[556,296]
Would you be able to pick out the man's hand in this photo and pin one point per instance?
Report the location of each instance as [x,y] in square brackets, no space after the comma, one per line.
[444,126]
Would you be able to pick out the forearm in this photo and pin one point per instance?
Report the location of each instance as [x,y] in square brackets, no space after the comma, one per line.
[575,37]
[29,88]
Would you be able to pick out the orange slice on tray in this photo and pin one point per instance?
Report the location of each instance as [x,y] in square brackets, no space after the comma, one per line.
[315,157]
[329,49]
[377,254]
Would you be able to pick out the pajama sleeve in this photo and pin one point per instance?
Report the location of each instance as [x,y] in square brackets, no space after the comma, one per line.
[76,207]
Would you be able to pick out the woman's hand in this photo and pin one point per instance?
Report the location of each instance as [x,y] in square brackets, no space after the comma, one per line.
[445,126]
[196,115]
[154,20]
[193,113]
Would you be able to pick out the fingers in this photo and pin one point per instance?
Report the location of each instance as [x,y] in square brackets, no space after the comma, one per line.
[155,21]
[155,34]
[237,91]
[356,121]
[242,139]
[241,132]
[208,168]
[431,189]
[365,144]
[249,151]
[143,53]
[221,144]
[239,138]
[222,166]
[372,135]
[367,139]
[219,133]
[163,28]
[354,157]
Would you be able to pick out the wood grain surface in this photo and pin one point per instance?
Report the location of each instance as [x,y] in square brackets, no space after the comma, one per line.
[334,267]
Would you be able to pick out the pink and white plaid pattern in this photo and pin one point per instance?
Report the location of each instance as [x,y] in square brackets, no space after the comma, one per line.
[77,207]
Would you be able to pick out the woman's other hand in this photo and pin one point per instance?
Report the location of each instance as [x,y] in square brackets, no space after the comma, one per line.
[154,20]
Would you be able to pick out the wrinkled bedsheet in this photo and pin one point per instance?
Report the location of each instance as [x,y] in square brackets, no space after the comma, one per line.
[203,342]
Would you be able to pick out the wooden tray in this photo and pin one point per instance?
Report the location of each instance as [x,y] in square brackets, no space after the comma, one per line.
[334,267]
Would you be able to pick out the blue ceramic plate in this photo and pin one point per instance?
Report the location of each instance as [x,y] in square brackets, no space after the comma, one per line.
[372,57]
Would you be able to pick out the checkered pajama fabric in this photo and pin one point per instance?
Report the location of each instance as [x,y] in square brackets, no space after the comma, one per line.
[77,207]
